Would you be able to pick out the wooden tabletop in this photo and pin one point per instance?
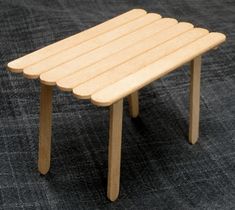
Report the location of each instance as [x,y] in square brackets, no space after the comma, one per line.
[116,58]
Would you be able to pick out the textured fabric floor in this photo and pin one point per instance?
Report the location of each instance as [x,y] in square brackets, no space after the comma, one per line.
[160,170]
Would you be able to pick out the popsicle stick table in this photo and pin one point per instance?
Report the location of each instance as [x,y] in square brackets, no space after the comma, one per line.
[111,61]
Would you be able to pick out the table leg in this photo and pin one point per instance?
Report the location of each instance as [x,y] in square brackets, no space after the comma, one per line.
[114,156]
[194,100]
[44,155]
[133,101]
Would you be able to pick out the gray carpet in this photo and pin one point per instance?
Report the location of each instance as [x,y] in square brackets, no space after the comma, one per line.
[160,170]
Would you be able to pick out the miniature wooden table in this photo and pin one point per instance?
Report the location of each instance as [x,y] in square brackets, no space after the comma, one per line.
[111,61]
